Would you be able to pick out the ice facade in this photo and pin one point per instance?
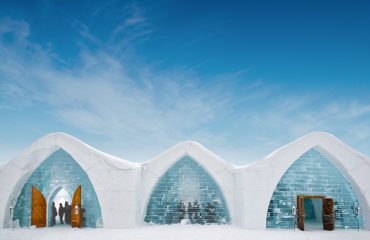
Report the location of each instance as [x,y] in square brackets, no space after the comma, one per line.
[313,174]
[159,191]
[186,192]
[58,171]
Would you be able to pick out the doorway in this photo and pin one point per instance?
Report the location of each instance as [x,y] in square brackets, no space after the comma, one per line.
[315,212]
[60,196]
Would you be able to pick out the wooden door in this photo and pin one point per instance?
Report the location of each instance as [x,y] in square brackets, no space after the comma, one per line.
[76,208]
[38,208]
[300,213]
[328,216]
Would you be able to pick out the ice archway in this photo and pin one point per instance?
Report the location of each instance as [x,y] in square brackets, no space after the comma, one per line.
[312,174]
[186,192]
[58,171]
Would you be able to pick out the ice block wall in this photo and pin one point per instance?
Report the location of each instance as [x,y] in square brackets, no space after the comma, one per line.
[312,174]
[186,192]
[58,171]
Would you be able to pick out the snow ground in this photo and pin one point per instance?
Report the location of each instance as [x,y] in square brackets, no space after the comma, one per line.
[179,232]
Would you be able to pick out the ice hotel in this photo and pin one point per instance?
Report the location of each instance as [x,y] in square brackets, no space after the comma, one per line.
[315,181]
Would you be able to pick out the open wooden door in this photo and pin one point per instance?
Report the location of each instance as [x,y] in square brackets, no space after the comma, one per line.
[76,208]
[328,216]
[38,208]
[300,213]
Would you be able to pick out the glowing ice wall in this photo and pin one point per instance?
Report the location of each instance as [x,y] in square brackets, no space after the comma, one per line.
[58,171]
[312,174]
[186,192]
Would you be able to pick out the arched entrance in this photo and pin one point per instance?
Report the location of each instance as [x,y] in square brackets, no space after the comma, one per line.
[59,172]
[60,197]
[313,174]
[186,193]
[60,205]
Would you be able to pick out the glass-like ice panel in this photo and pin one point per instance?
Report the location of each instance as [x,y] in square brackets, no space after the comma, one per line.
[58,171]
[186,192]
[313,174]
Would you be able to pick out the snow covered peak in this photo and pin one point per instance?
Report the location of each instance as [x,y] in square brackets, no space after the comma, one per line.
[194,149]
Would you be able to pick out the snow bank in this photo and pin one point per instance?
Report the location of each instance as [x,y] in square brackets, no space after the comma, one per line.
[179,233]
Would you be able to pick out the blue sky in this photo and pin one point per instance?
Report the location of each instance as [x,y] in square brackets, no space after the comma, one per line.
[133,78]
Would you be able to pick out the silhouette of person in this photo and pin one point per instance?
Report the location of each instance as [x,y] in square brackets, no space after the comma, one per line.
[61,213]
[196,212]
[67,213]
[190,212]
[210,213]
[181,211]
[53,214]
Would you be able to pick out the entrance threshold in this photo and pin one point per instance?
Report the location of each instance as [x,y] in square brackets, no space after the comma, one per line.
[316,212]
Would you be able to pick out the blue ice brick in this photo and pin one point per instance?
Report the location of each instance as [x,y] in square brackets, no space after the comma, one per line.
[58,171]
[313,174]
[186,181]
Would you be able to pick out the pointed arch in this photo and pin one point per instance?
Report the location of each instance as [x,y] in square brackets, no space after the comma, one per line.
[52,199]
[186,191]
[313,174]
[57,171]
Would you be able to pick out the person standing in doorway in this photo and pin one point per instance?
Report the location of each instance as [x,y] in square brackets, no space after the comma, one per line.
[61,213]
[67,213]
[54,214]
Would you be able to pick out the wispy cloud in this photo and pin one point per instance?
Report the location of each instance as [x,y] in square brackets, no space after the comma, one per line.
[19,29]
[132,27]
[84,32]
[280,120]
[100,95]
[138,106]
[102,7]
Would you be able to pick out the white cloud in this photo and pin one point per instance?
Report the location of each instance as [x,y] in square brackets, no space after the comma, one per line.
[99,96]
[153,108]
[132,27]
[18,30]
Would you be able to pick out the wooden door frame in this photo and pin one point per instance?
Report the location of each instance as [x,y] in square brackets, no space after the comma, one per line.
[304,197]
[300,212]
[313,196]
[328,214]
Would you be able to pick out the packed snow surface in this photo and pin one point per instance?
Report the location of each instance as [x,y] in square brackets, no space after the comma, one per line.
[178,232]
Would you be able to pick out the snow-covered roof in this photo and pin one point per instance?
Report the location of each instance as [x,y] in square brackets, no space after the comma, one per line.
[188,148]
[327,142]
[82,152]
